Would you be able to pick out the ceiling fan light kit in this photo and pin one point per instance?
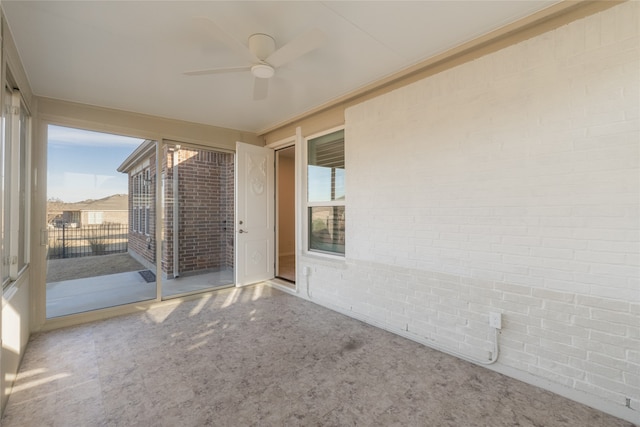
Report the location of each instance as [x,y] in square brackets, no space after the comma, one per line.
[263,71]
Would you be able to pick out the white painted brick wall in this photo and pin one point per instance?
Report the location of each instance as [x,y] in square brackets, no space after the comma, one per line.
[510,184]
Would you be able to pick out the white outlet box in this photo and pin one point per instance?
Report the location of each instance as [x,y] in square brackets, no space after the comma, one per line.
[495,320]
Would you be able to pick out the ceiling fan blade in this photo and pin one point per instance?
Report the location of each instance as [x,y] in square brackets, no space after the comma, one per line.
[260,88]
[297,47]
[217,71]
[209,27]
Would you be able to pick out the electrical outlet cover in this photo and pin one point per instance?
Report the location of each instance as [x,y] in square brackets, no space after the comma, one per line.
[495,320]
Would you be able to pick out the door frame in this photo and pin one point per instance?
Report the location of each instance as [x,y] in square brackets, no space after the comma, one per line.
[292,141]
[278,211]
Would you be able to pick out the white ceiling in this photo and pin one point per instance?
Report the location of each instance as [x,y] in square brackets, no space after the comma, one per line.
[131,55]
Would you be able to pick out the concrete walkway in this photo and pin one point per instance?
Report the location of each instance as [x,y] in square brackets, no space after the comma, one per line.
[93,293]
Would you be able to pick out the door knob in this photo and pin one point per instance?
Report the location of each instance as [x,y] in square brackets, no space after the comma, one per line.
[242,231]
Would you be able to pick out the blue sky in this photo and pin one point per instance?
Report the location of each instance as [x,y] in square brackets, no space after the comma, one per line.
[82,164]
[319,184]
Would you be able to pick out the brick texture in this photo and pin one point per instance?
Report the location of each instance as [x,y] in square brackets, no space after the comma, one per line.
[509,184]
[205,203]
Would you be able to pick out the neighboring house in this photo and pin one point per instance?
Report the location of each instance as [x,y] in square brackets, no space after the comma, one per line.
[109,210]
[203,232]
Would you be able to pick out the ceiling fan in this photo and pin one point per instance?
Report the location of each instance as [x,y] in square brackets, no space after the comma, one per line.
[261,54]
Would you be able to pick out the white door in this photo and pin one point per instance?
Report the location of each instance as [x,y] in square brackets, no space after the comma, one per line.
[255,223]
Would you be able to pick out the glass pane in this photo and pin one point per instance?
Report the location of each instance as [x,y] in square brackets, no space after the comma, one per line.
[5,186]
[326,229]
[197,212]
[91,261]
[325,173]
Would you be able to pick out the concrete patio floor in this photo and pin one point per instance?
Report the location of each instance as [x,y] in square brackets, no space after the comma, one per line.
[92,293]
[258,356]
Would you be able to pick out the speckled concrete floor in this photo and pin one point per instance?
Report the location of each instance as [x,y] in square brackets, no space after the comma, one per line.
[258,356]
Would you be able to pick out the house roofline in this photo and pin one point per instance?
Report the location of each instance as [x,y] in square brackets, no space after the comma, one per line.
[143,150]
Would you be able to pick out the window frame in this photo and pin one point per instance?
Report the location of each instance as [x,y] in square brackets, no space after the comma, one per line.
[307,205]
[15,186]
[146,202]
[141,198]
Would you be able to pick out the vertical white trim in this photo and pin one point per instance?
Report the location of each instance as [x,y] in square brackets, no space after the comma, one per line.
[276,214]
[14,185]
[159,218]
[3,400]
[27,186]
[280,145]
[176,211]
[299,168]
[304,238]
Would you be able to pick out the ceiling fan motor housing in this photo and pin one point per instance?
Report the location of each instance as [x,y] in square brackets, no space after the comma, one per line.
[262,45]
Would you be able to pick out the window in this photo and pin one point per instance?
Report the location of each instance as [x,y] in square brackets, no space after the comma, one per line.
[326,193]
[146,189]
[14,166]
[5,185]
[95,218]
[141,201]
[74,218]
[134,203]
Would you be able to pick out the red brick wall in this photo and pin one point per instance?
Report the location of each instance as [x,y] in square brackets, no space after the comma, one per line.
[206,200]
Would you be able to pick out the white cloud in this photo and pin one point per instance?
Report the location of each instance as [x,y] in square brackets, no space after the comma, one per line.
[68,136]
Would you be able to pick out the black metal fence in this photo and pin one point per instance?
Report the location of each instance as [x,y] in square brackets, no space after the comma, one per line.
[90,240]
